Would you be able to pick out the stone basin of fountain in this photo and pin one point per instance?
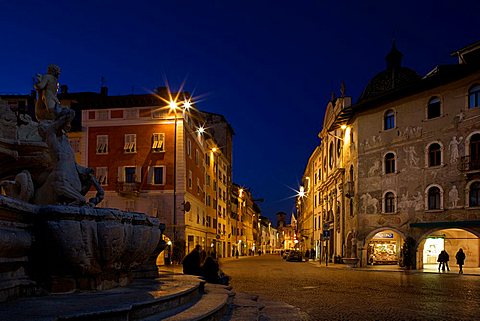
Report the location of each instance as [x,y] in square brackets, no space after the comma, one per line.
[64,248]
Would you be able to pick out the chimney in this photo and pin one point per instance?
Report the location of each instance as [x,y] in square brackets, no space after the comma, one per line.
[104,91]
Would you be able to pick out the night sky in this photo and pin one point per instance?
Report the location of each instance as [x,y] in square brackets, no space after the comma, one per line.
[268,66]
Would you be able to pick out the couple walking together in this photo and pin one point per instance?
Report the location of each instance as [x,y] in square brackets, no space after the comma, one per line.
[443,259]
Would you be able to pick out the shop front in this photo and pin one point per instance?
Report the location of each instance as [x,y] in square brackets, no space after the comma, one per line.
[384,248]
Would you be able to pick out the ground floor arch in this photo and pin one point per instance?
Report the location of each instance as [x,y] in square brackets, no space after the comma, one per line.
[450,240]
[383,247]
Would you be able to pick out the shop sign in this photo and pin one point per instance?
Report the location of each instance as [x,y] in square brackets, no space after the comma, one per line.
[326,235]
[384,235]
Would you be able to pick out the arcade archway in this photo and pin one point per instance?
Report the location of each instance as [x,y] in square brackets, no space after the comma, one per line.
[449,240]
[384,247]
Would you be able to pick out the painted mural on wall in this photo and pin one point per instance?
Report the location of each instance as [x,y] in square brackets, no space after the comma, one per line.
[369,204]
[454,149]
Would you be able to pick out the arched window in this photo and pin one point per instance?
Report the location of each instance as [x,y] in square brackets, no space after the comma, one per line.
[474,195]
[389,120]
[434,198]
[389,163]
[434,155]
[475,152]
[389,202]
[339,147]
[474,96]
[434,108]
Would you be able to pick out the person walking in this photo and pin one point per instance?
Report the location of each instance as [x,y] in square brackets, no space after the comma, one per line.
[460,256]
[441,261]
[446,259]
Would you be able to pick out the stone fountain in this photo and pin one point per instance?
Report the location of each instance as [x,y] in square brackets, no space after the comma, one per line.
[53,239]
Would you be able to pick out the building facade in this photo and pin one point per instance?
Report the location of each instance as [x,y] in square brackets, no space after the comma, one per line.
[152,158]
[399,174]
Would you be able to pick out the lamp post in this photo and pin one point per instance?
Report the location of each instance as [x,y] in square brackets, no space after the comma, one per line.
[174,106]
[215,164]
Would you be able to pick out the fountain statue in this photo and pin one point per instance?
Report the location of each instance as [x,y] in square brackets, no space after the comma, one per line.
[51,237]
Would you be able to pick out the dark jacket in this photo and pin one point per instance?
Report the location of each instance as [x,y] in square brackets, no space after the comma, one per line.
[191,263]
[210,270]
[460,256]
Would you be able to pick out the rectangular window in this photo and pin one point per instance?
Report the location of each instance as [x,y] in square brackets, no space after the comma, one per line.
[130,174]
[190,179]
[102,115]
[389,120]
[102,175]
[208,180]
[198,186]
[197,157]
[116,114]
[158,142]
[189,147]
[209,200]
[434,108]
[102,144]
[131,113]
[130,145]
[158,175]
[209,221]
[207,160]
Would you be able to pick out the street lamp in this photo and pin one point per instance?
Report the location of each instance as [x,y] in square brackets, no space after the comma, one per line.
[174,106]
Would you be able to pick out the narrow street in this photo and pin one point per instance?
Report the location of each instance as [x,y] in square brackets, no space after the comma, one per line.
[333,293]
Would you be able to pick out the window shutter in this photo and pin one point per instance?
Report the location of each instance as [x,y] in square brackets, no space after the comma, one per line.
[138,174]
[121,174]
[149,175]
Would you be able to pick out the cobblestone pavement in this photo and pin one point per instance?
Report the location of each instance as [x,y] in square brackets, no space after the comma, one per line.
[304,291]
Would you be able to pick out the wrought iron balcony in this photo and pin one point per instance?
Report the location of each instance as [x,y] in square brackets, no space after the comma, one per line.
[469,164]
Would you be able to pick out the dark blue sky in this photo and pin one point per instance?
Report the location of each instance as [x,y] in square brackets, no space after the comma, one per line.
[269,66]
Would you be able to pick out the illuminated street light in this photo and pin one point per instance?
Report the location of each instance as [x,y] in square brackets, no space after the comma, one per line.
[301,192]
[173,105]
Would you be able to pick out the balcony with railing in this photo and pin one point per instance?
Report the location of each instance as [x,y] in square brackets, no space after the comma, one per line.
[469,164]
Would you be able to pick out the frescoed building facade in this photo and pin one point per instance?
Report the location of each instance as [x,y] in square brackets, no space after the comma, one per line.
[401,166]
